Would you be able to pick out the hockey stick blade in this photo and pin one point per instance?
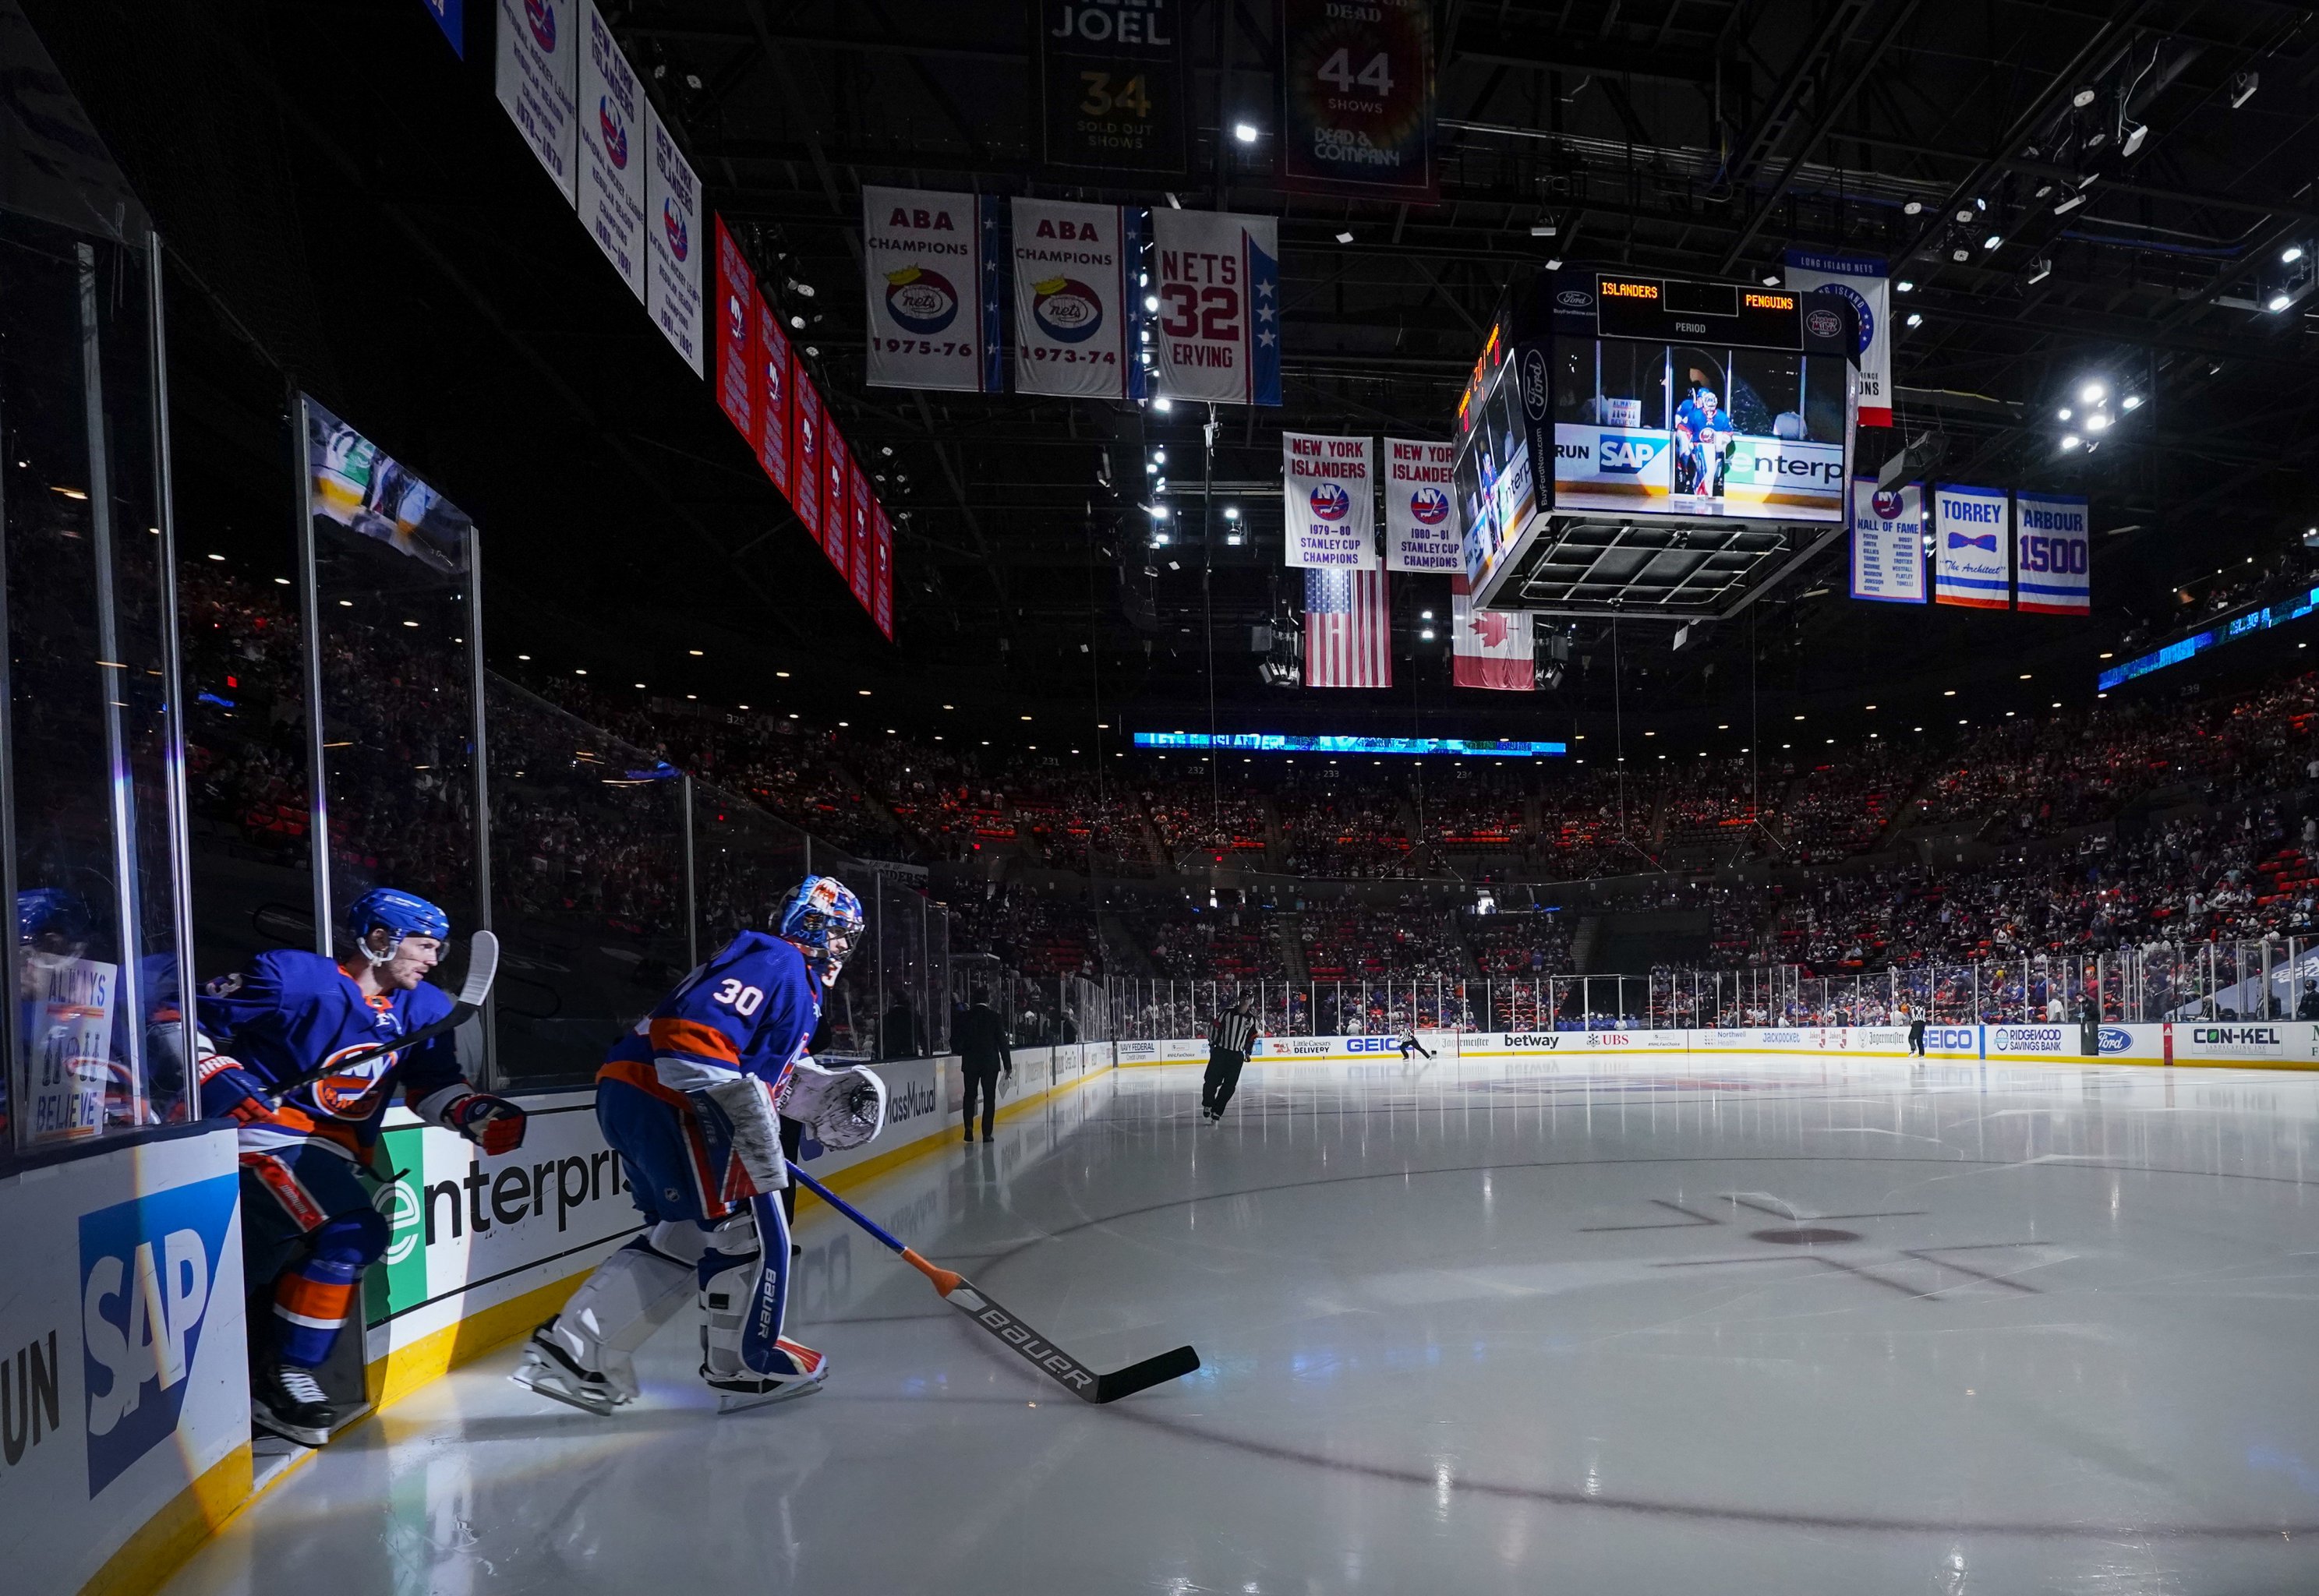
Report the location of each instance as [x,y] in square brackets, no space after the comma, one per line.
[1143,1376]
[483,968]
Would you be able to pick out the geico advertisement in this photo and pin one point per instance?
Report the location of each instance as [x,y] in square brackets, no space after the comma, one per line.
[122,1356]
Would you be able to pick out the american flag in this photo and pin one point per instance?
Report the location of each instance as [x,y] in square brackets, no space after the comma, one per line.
[1348,629]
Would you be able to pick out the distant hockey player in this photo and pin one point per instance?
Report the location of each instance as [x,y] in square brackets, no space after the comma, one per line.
[308,1227]
[1700,435]
[1411,1043]
[689,1100]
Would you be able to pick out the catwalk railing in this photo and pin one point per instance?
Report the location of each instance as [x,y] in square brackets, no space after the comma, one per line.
[2277,979]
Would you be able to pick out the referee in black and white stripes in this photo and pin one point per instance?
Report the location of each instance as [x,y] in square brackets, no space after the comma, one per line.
[1229,1038]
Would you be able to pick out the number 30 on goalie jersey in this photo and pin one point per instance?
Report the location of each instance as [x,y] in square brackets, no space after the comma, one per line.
[751,1007]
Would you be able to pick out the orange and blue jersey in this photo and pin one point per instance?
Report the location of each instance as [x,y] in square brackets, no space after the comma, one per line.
[290,1013]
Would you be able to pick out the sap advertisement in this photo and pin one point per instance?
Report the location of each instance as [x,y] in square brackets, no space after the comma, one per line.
[1702,470]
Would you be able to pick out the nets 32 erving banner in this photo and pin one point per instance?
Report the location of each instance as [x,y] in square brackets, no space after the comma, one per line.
[1111,84]
[537,77]
[613,152]
[1888,542]
[1421,534]
[673,244]
[1328,504]
[1218,283]
[930,268]
[1073,323]
[2053,547]
[1972,539]
[1864,284]
[1356,95]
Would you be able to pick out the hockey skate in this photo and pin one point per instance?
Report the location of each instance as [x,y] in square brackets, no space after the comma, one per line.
[285,1400]
[550,1370]
[739,1390]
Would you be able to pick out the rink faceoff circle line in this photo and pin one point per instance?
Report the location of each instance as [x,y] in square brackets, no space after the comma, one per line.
[1650,1507]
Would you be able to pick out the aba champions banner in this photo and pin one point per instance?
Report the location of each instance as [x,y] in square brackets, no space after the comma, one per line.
[930,270]
[537,79]
[1074,321]
[1973,547]
[2054,538]
[1862,285]
[1420,532]
[1328,503]
[1357,96]
[673,244]
[612,172]
[1218,283]
[1888,542]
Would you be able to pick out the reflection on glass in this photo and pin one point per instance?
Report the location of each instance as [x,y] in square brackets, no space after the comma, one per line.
[96,1040]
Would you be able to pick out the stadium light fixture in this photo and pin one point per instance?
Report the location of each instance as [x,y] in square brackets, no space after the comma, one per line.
[798,322]
[2279,301]
[2097,422]
[1770,279]
[1158,512]
[2290,255]
[2134,139]
[1906,285]
[1231,512]
[2062,414]
[1163,405]
[1964,216]
[1541,229]
[1992,241]
[2082,98]
[1151,469]
[2040,270]
[1345,237]
[2242,87]
[2070,441]
[1959,254]
[1914,320]
[1913,207]
[2132,402]
[1554,263]
[2093,393]
[2069,205]
[1245,131]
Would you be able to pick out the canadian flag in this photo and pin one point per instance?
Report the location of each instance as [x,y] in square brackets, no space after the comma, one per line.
[1493,647]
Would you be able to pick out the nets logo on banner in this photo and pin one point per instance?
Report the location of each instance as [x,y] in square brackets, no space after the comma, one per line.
[1420,532]
[2054,539]
[1864,285]
[1972,533]
[929,261]
[1356,95]
[1888,543]
[611,196]
[1219,290]
[1329,517]
[537,78]
[1074,325]
[146,1269]
[1111,84]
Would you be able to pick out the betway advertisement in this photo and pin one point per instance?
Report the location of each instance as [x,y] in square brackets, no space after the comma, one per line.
[122,1348]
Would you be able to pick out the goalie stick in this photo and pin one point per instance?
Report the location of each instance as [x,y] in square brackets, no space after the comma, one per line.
[1033,1348]
[482,966]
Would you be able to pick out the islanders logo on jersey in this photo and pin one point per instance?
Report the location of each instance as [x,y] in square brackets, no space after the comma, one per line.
[1886,503]
[615,132]
[921,299]
[1066,311]
[1430,506]
[680,236]
[1330,502]
[540,14]
[356,1094]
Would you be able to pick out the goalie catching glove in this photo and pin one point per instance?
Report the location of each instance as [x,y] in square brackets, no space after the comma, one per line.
[841,1108]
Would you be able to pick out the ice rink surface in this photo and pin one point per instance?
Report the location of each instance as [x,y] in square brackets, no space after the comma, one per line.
[1577,1323]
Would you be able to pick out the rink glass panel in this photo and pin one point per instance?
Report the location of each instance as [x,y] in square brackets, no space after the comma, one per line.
[746,863]
[95,1041]
[589,887]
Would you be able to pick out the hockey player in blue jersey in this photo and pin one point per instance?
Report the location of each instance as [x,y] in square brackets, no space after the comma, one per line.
[308,1227]
[690,1098]
[1701,439]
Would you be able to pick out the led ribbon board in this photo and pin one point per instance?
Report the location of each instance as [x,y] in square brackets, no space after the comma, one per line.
[2199,643]
[1281,742]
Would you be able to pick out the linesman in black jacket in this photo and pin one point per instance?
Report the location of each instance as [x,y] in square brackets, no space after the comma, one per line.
[1229,1038]
[981,1037]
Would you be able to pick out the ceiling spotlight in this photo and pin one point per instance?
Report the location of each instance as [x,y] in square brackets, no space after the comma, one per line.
[2039,270]
[2242,87]
[1770,279]
[2093,393]
[1151,301]
[1964,216]
[1959,255]
[1231,512]
[2132,402]
[1346,237]
[1914,320]
[2097,422]
[2082,98]
[2291,254]
[1244,132]
[1163,405]
[1554,263]
[1992,241]
[1906,285]
[1233,538]
[1541,229]
[2070,441]
[2134,139]
[1158,512]
[2279,301]
[2062,414]
[2043,189]
[802,290]
[1913,207]
[798,322]
[2070,204]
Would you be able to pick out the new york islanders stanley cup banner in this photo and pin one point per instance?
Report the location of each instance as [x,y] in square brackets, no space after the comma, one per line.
[1864,284]
[2053,543]
[1327,501]
[1420,532]
[537,77]
[611,172]
[930,267]
[1218,283]
[1973,547]
[1073,308]
[675,244]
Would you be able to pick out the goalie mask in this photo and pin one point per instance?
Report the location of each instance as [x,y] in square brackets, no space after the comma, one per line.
[825,920]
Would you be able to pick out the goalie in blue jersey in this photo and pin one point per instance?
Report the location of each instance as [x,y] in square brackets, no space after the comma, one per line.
[690,1099]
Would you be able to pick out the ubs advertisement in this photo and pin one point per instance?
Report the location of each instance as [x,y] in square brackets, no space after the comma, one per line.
[1357,96]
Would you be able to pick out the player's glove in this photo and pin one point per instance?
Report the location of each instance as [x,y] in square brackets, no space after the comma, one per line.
[491,1124]
[229,1091]
[841,1108]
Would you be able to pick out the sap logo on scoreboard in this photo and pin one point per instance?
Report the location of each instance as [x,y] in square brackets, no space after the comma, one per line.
[1624,454]
[146,1269]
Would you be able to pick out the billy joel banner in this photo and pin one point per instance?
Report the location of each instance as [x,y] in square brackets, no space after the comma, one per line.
[1862,282]
[1888,542]
[1357,96]
[772,399]
[1112,85]
[930,264]
[1420,532]
[2054,544]
[1327,501]
[537,77]
[611,175]
[1218,282]
[1489,648]
[737,335]
[1075,319]
[672,237]
[1973,547]
[805,446]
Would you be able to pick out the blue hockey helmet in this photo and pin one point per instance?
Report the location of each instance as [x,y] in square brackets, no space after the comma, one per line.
[51,911]
[403,913]
[825,919]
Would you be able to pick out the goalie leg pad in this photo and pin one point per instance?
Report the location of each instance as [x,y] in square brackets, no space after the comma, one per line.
[585,1355]
[745,1276]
